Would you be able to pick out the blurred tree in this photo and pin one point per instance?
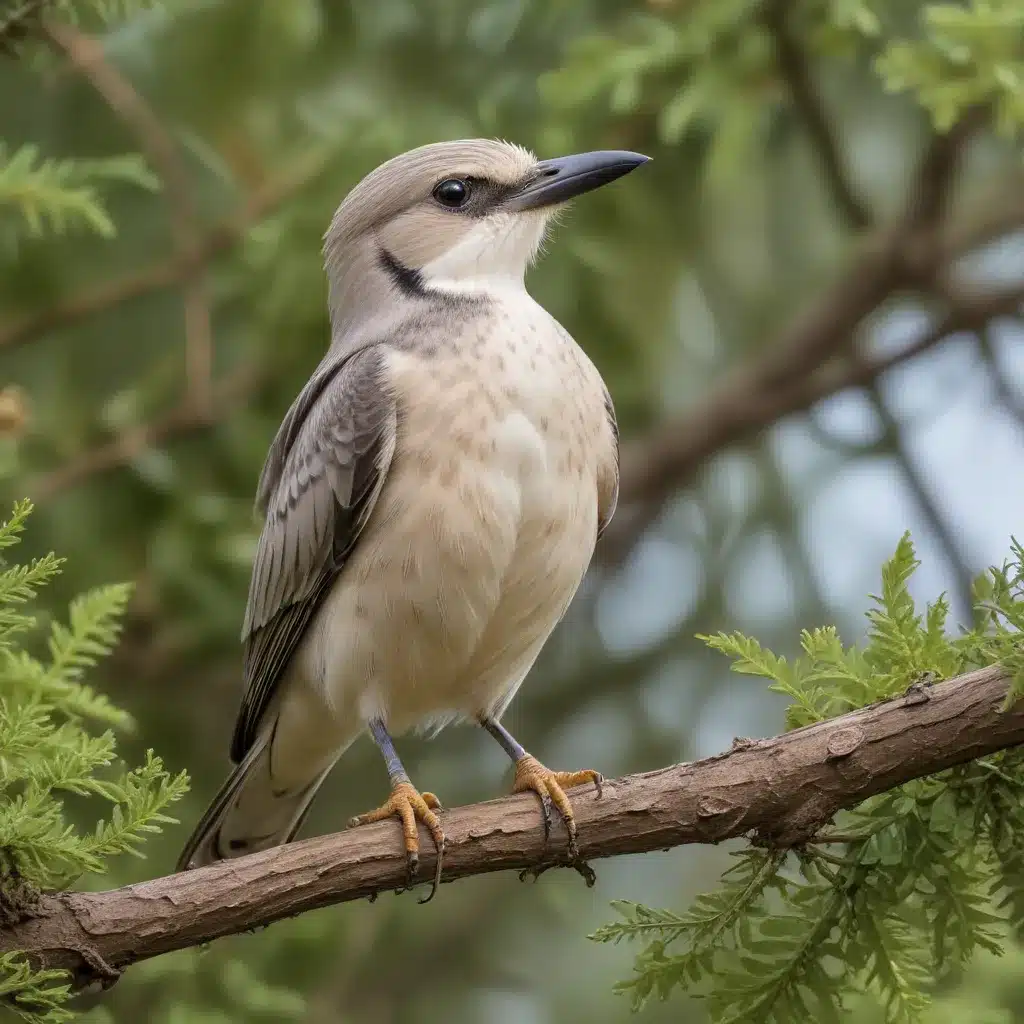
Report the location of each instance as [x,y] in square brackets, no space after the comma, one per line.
[805,243]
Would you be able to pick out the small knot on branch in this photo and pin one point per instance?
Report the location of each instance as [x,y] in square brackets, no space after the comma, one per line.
[843,742]
[712,806]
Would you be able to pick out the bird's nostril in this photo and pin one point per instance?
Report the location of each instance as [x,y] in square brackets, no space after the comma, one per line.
[550,172]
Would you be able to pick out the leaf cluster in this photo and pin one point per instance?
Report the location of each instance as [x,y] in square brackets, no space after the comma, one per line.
[42,195]
[966,55]
[57,743]
[20,19]
[890,899]
[714,68]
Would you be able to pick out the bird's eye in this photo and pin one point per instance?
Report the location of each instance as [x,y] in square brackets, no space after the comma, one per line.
[452,192]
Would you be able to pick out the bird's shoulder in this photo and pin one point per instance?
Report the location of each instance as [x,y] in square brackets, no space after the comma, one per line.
[344,398]
[324,460]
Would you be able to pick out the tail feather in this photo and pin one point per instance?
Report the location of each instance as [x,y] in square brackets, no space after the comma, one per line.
[247,814]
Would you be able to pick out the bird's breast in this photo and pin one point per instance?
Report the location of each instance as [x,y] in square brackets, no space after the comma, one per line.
[512,407]
[487,519]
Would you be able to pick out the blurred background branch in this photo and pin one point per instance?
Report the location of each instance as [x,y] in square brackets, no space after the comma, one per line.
[172,272]
[784,381]
[87,56]
[188,418]
[795,69]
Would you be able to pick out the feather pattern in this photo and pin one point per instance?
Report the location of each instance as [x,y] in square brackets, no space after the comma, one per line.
[321,479]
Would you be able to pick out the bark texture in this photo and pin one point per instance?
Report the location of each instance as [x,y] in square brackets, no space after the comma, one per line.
[778,791]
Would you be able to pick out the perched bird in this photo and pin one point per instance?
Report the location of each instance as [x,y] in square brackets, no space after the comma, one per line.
[432,498]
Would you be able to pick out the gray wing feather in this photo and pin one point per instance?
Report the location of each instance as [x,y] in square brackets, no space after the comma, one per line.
[318,486]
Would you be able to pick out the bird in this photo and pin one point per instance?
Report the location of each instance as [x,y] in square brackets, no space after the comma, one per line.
[431,500]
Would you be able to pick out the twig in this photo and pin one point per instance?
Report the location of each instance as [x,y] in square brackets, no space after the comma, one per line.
[168,273]
[187,418]
[996,221]
[18,22]
[781,790]
[87,55]
[1010,400]
[795,69]
[906,466]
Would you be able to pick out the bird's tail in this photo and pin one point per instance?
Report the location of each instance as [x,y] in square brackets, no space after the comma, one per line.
[248,813]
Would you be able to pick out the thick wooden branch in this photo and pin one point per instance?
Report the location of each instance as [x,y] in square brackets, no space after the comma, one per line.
[779,791]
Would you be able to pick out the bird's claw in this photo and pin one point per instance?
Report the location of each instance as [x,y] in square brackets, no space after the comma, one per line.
[550,786]
[409,805]
[581,867]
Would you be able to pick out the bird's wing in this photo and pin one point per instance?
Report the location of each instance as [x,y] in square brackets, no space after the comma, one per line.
[322,477]
[608,495]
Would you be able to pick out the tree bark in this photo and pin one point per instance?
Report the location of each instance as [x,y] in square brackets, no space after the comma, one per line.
[777,791]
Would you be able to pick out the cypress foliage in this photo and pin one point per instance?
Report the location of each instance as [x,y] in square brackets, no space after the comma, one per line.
[58,737]
[897,895]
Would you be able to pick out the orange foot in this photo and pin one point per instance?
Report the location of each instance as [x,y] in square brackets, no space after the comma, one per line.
[409,805]
[550,787]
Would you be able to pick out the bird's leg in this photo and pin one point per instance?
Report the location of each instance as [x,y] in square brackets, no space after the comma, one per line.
[548,785]
[408,804]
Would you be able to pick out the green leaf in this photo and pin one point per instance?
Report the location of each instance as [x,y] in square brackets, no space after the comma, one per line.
[58,195]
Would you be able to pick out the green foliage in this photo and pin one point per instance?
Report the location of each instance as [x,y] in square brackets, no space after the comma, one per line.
[58,195]
[713,920]
[707,68]
[38,996]
[703,71]
[665,286]
[19,18]
[244,991]
[49,749]
[968,55]
[895,896]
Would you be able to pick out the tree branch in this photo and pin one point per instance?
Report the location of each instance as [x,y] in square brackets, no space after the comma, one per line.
[795,70]
[168,273]
[87,56]
[998,374]
[946,534]
[759,394]
[187,418]
[931,191]
[806,362]
[996,220]
[778,791]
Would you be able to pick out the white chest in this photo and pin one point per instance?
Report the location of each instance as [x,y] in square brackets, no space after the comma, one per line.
[513,394]
[487,520]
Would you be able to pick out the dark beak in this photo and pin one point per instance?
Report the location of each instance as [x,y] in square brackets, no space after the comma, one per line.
[570,176]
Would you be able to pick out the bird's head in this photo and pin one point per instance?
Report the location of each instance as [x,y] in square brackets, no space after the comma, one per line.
[451,215]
